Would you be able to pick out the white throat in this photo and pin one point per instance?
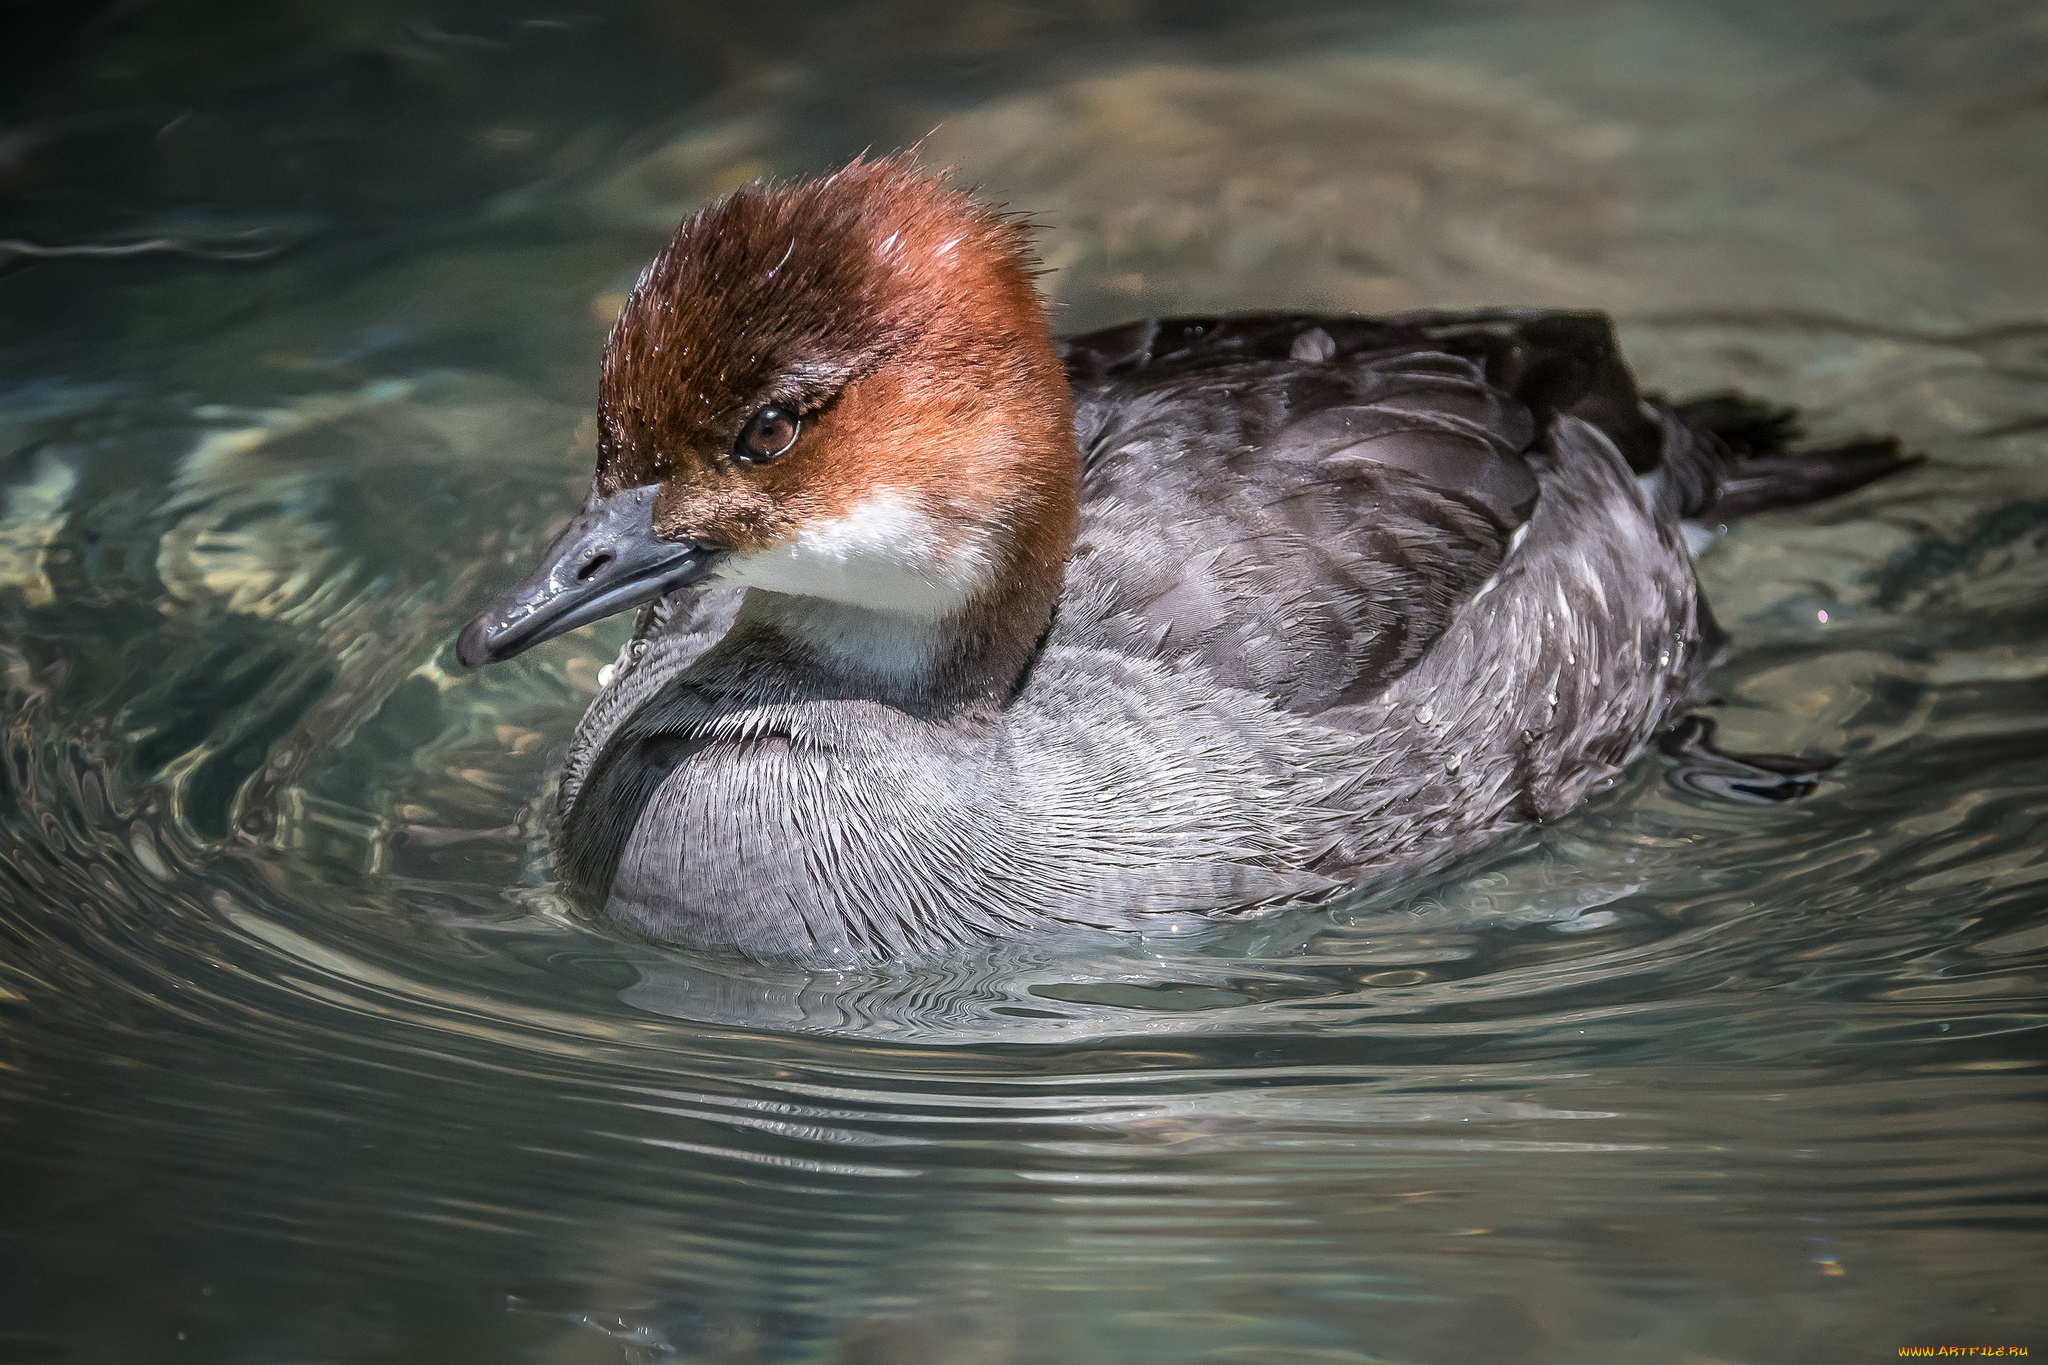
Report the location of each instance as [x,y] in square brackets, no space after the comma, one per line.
[887,556]
[870,594]
[887,650]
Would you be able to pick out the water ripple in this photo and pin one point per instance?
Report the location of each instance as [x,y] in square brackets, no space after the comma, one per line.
[302,1052]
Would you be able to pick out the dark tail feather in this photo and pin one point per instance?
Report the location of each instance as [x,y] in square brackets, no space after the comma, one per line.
[1747,426]
[1760,472]
[1770,481]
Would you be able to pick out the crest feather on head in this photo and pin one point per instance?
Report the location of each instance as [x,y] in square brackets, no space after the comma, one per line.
[787,293]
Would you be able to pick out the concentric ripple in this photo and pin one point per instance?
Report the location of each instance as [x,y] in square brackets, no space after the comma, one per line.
[305,1061]
[283,967]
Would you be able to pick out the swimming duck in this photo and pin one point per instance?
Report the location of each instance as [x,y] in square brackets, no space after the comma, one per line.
[952,632]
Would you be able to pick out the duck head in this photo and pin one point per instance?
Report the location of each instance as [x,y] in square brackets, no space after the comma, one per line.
[841,394]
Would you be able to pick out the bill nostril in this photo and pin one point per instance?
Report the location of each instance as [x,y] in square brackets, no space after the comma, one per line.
[594,566]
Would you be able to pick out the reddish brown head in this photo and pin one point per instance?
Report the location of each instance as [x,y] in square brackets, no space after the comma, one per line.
[842,391]
[888,322]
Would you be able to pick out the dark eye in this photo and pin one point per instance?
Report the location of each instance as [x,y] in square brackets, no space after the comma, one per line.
[768,434]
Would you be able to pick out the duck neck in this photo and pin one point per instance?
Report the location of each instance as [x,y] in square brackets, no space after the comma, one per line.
[972,656]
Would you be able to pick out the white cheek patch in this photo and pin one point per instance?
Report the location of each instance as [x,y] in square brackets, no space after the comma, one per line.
[886,555]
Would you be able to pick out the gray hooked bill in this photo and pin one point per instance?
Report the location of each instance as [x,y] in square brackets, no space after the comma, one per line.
[605,561]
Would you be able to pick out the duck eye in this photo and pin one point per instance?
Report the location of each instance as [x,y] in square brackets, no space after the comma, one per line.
[768,434]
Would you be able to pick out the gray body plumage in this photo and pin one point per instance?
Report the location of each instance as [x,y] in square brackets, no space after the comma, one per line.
[1349,598]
